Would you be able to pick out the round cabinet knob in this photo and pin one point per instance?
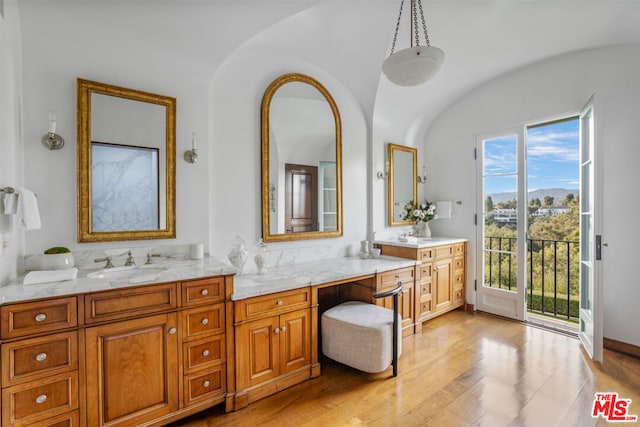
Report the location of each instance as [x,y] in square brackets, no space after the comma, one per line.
[40,357]
[41,399]
[205,321]
[279,302]
[276,330]
[40,317]
[284,329]
[205,353]
[204,292]
[206,384]
[172,331]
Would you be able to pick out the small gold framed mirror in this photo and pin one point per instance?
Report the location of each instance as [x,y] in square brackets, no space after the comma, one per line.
[402,181]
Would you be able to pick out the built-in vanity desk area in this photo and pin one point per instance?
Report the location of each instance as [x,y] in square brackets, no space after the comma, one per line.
[147,349]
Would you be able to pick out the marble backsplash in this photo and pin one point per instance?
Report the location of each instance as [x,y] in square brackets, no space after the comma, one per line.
[277,255]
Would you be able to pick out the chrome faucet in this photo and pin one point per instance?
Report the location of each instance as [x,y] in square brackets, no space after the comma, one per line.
[130,261]
[149,255]
[107,259]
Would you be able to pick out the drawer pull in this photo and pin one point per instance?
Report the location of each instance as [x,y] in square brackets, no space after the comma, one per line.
[41,399]
[204,292]
[40,357]
[205,321]
[206,383]
[40,317]
[205,353]
[279,302]
[173,331]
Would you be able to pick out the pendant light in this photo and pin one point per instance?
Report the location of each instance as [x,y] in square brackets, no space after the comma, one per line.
[416,64]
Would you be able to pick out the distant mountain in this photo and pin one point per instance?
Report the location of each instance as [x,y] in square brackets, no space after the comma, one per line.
[558,194]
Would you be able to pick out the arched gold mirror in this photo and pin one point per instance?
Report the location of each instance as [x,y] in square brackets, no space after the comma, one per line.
[301,161]
[126,164]
[403,188]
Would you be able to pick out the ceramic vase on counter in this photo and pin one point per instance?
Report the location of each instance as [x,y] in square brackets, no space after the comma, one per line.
[260,258]
[422,229]
[238,254]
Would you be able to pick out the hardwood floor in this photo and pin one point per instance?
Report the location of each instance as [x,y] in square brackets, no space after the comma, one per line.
[464,369]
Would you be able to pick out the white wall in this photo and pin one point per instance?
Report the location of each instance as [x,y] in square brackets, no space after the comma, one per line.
[11,233]
[555,86]
[169,48]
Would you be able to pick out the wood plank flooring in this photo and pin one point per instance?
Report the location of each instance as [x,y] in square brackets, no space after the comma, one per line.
[465,369]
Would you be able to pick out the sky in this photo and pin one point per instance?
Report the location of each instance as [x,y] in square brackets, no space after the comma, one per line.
[552,159]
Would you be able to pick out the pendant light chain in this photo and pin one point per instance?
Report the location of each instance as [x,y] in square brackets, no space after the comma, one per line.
[413,25]
[424,24]
[395,35]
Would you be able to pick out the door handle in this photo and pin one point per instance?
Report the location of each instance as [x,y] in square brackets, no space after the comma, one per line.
[598,247]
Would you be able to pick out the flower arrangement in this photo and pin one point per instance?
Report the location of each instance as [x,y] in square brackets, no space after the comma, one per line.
[424,212]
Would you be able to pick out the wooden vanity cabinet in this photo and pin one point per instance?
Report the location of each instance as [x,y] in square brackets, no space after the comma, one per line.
[406,301]
[40,359]
[157,352]
[273,344]
[440,278]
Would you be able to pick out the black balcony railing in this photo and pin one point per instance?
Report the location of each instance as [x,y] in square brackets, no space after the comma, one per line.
[553,285]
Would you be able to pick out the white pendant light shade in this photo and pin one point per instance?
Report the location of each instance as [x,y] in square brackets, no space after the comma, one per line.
[413,66]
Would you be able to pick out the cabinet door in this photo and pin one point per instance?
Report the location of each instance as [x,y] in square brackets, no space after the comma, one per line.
[295,340]
[406,307]
[443,283]
[257,352]
[132,370]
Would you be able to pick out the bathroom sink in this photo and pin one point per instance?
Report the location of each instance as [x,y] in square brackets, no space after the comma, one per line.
[132,274]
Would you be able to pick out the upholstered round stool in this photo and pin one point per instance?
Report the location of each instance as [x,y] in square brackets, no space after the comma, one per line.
[360,335]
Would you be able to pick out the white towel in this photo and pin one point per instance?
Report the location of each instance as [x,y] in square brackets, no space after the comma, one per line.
[48,276]
[28,209]
[10,204]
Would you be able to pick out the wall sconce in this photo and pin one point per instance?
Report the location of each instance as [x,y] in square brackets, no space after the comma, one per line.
[191,156]
[50,139]
[383,174]
[422,179]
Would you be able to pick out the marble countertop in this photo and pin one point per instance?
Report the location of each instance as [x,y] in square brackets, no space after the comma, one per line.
[279,278]
[420,242]
[293,276]
[162,270]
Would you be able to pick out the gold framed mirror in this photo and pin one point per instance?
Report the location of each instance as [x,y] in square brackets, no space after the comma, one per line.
[402,182]
[301,140]
[126,159]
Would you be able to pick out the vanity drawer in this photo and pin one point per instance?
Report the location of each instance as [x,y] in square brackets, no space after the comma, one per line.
[71,419]
[38,400]
[390,279]
[426,271]
[268,305]
[112,305]
[204,291]
[458,280]
[18,320]
[458,263]
[458,297]
[35,358]
[443,251]
[425,254]
[425,291]
[203,353]
[458,249]
[204,385]
[201,322]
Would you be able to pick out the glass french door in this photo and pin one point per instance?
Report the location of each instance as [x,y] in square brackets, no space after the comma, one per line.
[502,224]
[590,241]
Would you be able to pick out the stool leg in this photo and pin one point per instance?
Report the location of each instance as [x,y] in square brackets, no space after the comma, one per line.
[395,336]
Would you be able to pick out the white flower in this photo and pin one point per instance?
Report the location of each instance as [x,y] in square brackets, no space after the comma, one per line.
[416,213]
[431,210]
